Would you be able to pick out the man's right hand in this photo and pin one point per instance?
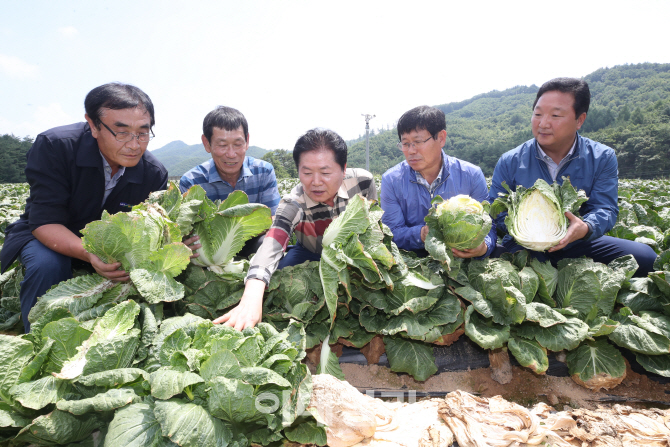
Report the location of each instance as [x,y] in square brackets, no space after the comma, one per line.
[109,271]
[249,311]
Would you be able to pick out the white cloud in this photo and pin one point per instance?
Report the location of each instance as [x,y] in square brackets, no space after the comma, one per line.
[68,31]
[52,115]
[45,117]
[16,68]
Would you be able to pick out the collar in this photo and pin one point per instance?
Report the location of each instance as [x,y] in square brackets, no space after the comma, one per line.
[544,156]
[88,154]
[437,179]
[444,170]
[106,165]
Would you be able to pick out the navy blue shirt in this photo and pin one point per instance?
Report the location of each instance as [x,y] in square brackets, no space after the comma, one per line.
[67,185]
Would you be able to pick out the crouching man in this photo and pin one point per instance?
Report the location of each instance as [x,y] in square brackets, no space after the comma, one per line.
[559,151]
[75,172]
[409,187]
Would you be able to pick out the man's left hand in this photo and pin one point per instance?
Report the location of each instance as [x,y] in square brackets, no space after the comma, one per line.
[191,243]
[471,253]
[577,229]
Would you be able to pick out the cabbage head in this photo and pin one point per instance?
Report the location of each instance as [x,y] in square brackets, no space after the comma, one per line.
[536,216]
[226,228]
[461,221]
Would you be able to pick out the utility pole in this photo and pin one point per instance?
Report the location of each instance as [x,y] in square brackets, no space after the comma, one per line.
[367,139]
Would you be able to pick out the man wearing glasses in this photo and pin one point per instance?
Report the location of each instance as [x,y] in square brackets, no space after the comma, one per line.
[75,172]
[408,187]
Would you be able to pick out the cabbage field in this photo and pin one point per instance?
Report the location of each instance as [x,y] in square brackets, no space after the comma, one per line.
[141,363]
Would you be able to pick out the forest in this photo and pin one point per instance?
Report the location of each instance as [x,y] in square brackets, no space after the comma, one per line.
[630,112]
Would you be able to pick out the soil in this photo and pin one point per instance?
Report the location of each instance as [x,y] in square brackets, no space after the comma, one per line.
[525,388]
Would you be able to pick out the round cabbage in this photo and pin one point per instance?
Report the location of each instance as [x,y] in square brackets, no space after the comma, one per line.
[461,221]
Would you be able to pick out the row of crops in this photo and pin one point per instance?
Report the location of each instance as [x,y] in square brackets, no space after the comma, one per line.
[141,363]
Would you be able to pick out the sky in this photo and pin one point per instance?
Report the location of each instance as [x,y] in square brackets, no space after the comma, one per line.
[292,65]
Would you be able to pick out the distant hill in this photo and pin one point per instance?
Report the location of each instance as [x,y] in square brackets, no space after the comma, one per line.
[178,157]
[630,112]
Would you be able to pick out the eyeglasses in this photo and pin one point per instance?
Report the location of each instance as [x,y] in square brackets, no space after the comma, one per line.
[125,137]
[414,144]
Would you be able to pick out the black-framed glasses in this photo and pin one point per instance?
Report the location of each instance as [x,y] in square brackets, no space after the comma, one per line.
[414,144]
[125,137]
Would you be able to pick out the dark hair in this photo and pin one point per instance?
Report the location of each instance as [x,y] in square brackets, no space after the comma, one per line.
[578,88]
[116,96]
[422,118]
[225,118]
[316,139]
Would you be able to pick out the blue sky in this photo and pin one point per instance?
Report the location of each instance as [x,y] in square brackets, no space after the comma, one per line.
[293,65]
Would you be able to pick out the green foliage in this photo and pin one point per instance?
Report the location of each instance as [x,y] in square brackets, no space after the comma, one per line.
[282,160]
[13,152]
[210,385]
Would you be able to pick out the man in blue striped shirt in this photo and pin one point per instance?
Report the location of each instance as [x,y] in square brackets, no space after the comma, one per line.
[226,137]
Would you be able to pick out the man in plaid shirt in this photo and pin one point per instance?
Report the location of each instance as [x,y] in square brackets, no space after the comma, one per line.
[326,185]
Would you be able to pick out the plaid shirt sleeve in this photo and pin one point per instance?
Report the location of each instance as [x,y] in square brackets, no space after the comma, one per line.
[265,261]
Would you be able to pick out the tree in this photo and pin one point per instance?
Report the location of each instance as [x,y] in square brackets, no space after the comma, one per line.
[13,152]
[637,117]
[624,114]
[282,160]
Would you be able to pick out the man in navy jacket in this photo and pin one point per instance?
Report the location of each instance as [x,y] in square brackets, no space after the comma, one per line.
[558,151]
[75,172]
[408,187]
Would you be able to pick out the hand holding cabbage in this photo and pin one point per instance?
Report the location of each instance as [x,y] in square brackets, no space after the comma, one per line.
[537,217]
[457,226]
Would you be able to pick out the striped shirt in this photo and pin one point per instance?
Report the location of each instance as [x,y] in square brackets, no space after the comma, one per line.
[308,219]
[257,179]
[551,164]
[110,182]
[433,186]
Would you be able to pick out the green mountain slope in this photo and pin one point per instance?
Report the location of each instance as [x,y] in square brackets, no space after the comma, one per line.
[178,157]
[630,111]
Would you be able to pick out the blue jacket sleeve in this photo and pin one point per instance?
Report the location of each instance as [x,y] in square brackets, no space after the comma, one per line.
[602,209]
[406,238]
[480,192]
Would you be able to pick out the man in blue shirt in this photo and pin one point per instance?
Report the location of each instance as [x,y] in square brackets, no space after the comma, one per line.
[408,187]
[226,137]
[75,172]
[558,151]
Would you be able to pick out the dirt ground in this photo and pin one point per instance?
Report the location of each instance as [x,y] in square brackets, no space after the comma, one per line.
[526,388]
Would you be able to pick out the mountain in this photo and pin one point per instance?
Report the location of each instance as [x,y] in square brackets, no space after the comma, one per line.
[630,112]
[178,157]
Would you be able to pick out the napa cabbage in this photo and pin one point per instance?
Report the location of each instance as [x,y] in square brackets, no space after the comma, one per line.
[536,216]
[224,232]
